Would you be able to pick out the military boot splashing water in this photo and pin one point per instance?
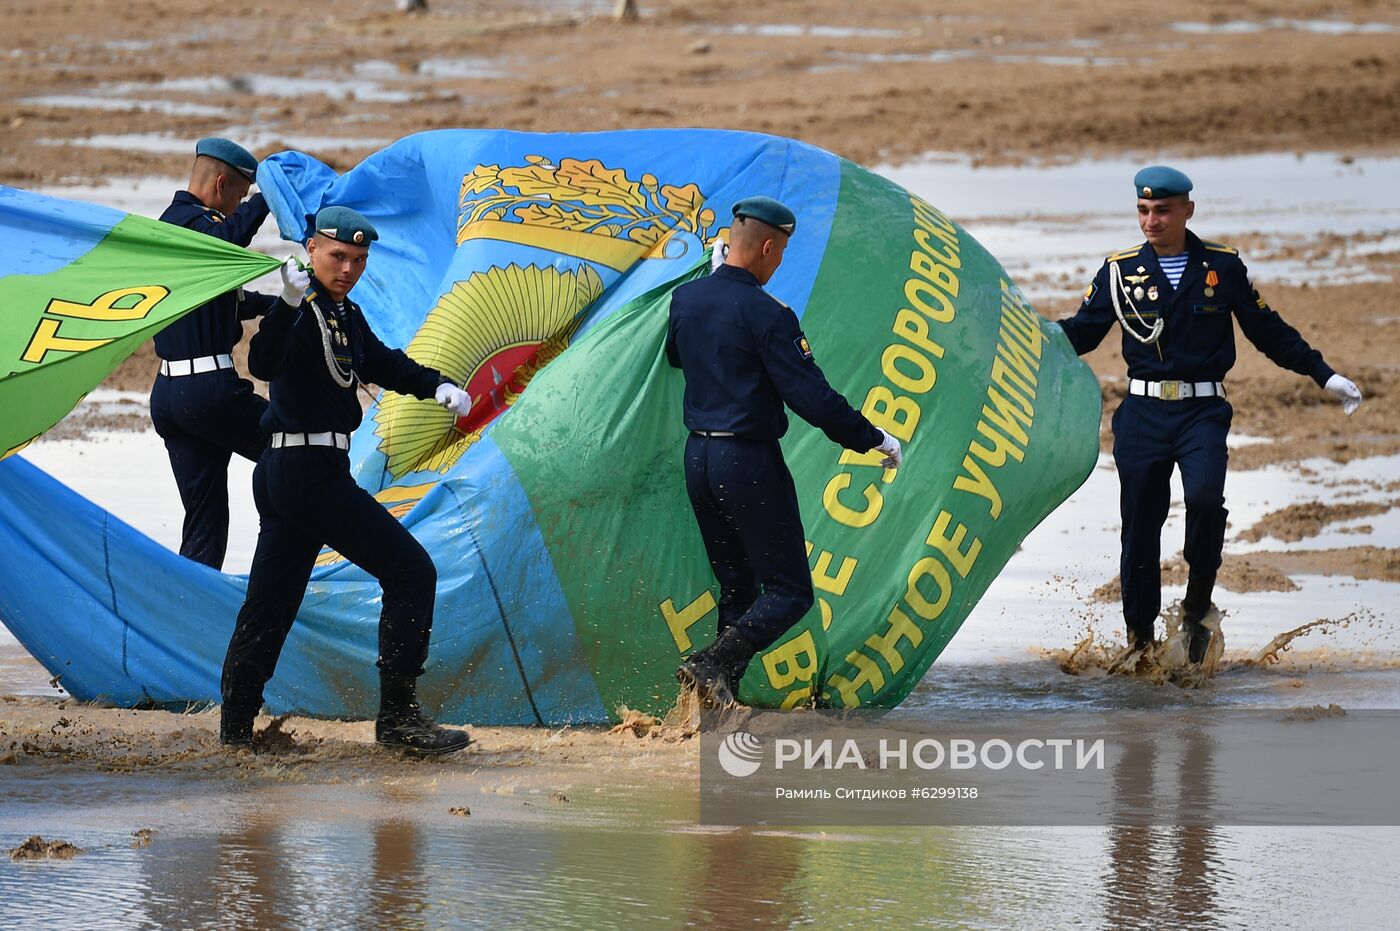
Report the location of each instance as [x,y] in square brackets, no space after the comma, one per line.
[715,671]
[403,726]
[1197,634]
[236,728]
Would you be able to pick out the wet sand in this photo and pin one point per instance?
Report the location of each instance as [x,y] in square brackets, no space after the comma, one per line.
[872,82]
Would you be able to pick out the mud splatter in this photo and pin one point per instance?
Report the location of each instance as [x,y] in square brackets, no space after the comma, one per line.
[1315,712]
[1162,663]
[36,848]
[636,723]
[1166,662]
[1273,651]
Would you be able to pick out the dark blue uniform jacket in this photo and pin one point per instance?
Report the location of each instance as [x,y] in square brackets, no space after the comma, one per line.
[1198,339]
[744,357]
[213,328]
[297,350]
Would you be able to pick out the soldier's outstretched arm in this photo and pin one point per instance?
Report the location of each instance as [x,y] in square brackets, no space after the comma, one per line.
[1095,317]
[793,369]
[393,369]
[1285,346]
[1274,337]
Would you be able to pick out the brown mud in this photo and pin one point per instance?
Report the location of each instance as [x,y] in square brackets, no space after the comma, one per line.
[1001,80]
[1309,518]
[1270,571]
[36,848]
[42,733]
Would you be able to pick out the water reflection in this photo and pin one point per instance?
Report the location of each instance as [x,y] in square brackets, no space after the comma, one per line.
[398,883]
[371,856]
[727,867]
[1162,876]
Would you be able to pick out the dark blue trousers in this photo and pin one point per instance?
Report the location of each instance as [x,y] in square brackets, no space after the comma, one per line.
[1150,438]
[746,506]
[204,419]
[306,499]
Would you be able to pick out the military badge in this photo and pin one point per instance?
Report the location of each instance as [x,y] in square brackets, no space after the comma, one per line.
[1152,293]
[804,348]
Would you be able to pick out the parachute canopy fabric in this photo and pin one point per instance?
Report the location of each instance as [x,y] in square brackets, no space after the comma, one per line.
[537,270]
[81,287]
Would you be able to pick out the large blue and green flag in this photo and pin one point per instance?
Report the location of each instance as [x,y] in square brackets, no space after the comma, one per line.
[81,287]
[537,270]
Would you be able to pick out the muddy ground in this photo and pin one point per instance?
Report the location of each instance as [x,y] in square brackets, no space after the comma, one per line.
[998,80]
[875,82]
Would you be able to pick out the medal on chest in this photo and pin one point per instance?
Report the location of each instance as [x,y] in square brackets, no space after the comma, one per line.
[1137,281]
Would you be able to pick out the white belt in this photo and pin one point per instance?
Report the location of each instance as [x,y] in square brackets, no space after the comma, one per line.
[1176,390]
[712,433]
[181,367]
[338,440]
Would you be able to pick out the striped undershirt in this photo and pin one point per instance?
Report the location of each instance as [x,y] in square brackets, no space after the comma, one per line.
[1173,266]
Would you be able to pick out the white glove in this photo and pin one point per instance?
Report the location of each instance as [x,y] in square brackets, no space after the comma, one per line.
[1346,391]
[453,398]
[294,282]
[717,257]
[894,454]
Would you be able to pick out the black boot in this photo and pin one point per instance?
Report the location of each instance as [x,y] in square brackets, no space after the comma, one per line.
[403,726]
[715,671]
[1198,634]
[1140,638]
[236,728]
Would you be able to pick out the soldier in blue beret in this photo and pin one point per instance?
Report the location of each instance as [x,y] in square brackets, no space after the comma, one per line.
[744,359]
[200,407]
[314,348]
[1176,298]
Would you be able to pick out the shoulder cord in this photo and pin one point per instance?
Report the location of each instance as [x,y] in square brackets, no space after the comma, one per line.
[1115,286]
[342,377]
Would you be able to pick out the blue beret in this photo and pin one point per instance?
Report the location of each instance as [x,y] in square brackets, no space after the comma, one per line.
[230,153]
[769,211]
[1159,181]
[345,225]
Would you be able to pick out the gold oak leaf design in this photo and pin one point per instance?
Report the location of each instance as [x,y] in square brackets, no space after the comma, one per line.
[602,186]
[482,178]
[539,181]
[554,217]
[685,201]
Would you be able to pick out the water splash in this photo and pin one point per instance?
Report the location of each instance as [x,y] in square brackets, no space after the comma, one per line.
[1162,663]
